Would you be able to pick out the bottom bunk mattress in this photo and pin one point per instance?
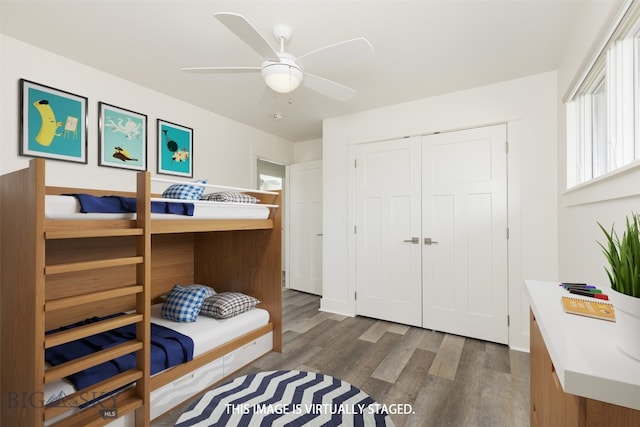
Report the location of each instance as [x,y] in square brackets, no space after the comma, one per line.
[207,333]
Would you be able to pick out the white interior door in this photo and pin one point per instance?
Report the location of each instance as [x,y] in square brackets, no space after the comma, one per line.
[305,227]
[388,269]
[464,205]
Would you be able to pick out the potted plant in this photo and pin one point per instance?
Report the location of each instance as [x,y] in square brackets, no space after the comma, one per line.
[623,256]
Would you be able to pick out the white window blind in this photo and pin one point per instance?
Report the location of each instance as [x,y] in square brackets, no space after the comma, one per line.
[603,117]
[621,112]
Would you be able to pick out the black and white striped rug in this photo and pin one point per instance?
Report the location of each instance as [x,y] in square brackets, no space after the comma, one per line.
[285,398]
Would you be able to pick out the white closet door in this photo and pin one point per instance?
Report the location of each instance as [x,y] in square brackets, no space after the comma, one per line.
[464,197]
[388,276]
[305,227]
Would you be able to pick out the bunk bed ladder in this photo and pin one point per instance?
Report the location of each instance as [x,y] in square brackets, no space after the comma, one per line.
[132,398]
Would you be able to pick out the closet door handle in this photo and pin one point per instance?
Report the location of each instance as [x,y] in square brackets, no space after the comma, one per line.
[428,241]
[414,240]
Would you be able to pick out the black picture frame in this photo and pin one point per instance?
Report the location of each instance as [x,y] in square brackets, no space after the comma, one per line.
[122,138]
[53,123]
[175,149]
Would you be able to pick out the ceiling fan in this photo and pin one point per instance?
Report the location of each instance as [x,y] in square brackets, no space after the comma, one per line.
[282,71]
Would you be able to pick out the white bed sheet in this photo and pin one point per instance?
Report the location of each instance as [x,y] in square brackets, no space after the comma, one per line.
[68,207]
[206,332]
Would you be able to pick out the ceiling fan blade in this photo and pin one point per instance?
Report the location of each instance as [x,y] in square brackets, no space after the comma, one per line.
[348,51]
[328,87]
[248,34]
[222,70]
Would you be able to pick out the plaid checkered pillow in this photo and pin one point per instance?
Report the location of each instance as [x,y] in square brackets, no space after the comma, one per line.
[227,304]
[187,191]
[183,304]
[208,291]
[230,196]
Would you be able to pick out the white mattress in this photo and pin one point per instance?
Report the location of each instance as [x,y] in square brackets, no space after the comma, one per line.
[68,207]
[206,332]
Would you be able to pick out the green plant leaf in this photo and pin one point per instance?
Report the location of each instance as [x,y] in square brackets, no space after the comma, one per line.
[623,256]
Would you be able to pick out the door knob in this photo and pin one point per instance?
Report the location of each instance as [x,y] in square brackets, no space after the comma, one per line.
[428,241]
[414,240]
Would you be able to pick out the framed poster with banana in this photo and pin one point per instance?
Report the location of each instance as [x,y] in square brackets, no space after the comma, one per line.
[53,123]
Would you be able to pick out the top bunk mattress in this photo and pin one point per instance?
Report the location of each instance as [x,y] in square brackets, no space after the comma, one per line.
[68,207]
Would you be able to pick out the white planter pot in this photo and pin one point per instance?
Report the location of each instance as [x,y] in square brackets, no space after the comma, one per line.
[627,323]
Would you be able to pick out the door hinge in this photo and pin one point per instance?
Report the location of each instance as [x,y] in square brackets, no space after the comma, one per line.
[355,163]
[508,320]
[507,233]
[355,295]
[355,229]
[506,147]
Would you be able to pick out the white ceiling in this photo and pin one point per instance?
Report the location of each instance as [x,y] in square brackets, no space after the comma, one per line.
[422,48]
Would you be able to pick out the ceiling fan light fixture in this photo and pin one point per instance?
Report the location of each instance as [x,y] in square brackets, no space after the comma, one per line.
[282,77]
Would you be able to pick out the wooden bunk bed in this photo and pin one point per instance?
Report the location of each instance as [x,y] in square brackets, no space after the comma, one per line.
[57,272]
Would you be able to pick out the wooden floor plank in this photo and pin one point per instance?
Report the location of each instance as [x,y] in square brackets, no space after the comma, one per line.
[473,356]
[340,344]
[445,363]
[498,357]
[406,388]
[304,324]
[397,328]
[295,313]
[431,340]
[375,332]
[432,403]
[361,368]
[395,361]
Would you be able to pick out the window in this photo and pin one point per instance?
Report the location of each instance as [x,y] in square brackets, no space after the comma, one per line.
[599,129]
[603,108]
[637,85]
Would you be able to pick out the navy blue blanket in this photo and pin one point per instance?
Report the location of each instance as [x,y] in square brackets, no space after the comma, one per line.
[168,348]
[119,204]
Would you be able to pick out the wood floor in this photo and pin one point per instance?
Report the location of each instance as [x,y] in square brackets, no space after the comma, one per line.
[448,380]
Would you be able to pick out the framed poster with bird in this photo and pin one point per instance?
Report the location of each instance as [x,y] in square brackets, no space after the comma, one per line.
[122,138]
[175,149]
[53,123]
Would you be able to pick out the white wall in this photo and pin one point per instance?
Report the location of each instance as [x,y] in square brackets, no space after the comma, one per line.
[307,151]
[608,200]
[224,150]
[528,106]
